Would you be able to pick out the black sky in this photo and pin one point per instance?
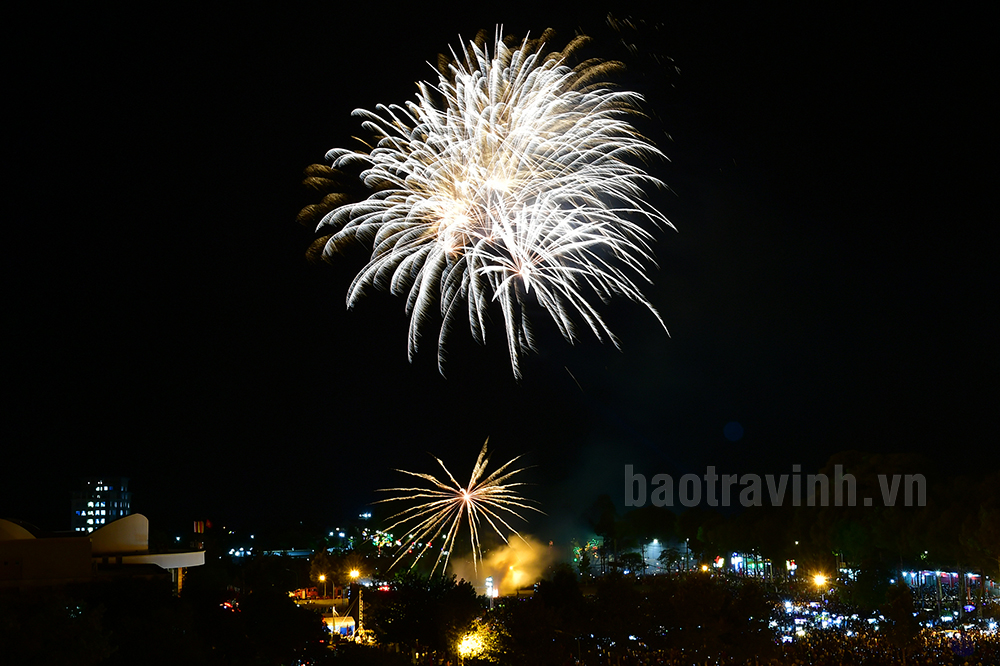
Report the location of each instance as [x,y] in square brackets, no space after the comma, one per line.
[830,285]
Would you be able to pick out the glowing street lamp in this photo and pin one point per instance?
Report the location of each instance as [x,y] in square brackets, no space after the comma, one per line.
[354,577]
[322,579]
[820,581]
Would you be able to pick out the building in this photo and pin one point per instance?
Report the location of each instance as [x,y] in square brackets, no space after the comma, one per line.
[31,559]
[100,500]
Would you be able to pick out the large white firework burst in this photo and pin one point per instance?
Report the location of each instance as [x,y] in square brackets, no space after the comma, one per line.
[514,175]
[441,510]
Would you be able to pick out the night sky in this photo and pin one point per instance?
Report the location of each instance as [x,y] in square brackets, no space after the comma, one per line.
[830,285]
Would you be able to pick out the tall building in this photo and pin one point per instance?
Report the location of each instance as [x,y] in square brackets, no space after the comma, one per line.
[100,500]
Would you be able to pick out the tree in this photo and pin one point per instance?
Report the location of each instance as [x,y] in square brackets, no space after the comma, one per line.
[276,627]
[432,612]
[870,588]
[44,628]
[561,590]
[632,562]
[710,616]
[670,558]
[604,520]
[584,563]
[532,633]
[898,611]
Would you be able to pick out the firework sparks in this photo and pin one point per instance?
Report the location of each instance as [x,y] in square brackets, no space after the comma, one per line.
[513,175]
[447,505]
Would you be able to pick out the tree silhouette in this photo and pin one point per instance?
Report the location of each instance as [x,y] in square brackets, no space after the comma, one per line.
[432,612]
[898,611]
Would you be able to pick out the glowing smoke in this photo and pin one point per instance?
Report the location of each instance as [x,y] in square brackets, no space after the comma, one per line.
[514,565]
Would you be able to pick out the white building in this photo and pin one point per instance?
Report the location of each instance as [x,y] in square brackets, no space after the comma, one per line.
[31,559]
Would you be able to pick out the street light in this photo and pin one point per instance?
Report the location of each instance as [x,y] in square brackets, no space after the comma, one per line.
[820,581]
[322,579]
[354,577]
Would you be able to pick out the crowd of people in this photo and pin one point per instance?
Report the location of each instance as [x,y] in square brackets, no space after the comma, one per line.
[832,647]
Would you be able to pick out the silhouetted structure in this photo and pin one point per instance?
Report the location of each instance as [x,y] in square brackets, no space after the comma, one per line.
[30,558]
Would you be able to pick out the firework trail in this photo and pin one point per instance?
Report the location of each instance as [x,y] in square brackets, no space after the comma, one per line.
[513,175]
[447,505]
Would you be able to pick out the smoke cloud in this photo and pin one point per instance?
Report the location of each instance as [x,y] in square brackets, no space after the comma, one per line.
[515,565]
